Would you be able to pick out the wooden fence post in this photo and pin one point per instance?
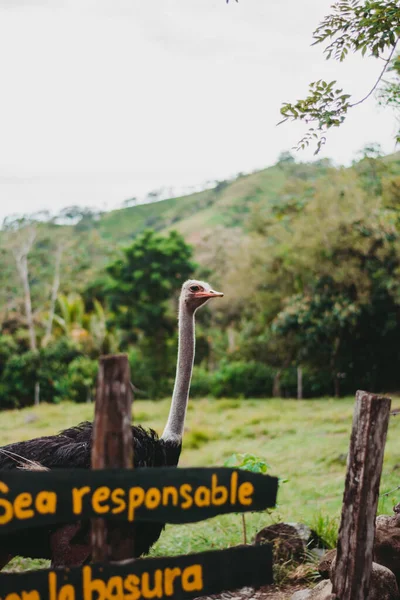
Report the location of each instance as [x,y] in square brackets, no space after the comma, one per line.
[112,447]
[357,526]
[299,383]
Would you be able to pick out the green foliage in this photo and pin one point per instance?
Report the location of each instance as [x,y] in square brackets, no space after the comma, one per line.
[357,25]
[79,382]
[8,347]
[18,380]
[242,379]
[202,382]
[326,105]
[23,371]
[247,462]
[149,271]
[146,376]
[310,270]
[326,527]
[316,382]
[367,26]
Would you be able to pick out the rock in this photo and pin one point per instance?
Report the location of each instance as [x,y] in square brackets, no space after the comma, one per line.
[382,585]
[290,540]
[322,591]
[287,545]
[301,595]
[387,543]
[324,566]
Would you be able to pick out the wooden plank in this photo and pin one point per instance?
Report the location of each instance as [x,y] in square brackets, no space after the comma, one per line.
[112,447]
[177,577]
[163,494]
[364,468]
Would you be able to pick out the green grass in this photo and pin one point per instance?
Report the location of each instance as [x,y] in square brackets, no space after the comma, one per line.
[304,442]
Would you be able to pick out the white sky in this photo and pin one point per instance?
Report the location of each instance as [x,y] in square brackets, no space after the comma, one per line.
[102,100]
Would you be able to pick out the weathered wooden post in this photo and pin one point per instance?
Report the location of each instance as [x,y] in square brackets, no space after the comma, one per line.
[299,383]
[112,447]
[357,527]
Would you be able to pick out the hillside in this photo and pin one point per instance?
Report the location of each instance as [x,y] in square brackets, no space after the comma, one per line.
[94,239]
[229,211]
[227,204]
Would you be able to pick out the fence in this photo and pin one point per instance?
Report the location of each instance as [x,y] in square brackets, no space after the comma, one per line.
[113,495]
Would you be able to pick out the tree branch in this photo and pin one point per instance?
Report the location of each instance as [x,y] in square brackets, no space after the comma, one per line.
[387,61]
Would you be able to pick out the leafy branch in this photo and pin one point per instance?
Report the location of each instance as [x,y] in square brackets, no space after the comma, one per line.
[371,26]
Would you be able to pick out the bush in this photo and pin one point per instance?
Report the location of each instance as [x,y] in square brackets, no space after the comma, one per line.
[22,371]
[147,377]
[79,383]
[54,363]
[202,382]
[248,379]
[18,380]
[316,383]
[8,348]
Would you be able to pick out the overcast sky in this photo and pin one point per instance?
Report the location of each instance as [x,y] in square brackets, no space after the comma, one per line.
[102,100]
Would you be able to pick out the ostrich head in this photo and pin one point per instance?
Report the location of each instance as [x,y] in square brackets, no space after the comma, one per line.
[197,293]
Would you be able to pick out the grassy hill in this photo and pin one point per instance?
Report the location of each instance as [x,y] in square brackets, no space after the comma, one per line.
[225,205]
[93,240]
[229,211]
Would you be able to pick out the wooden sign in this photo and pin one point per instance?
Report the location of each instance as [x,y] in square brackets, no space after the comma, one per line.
[177,577]
[166,494]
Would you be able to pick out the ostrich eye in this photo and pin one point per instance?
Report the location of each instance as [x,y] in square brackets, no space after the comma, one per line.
[194,288]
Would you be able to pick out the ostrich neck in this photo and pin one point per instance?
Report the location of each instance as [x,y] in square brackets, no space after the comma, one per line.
[176,420]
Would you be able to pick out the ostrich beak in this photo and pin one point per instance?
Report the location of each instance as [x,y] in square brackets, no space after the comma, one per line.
[210,294]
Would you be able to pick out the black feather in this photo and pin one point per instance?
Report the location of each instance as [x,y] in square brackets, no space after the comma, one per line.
[71,448]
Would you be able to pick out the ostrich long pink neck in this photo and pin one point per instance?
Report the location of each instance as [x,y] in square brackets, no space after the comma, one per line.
[176,420]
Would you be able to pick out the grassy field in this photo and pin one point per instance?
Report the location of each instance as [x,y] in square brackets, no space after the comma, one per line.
[304,442]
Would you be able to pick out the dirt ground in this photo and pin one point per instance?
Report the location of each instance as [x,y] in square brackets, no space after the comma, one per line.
[271,592]
[268,592]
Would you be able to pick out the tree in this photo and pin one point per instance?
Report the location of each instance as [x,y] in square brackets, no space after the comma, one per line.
[319,319]
[54,288]
[369,27]
[142,281]
[21,239]
[146,275]
[285,158]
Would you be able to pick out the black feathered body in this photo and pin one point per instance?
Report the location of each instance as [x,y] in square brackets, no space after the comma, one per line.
[72,449]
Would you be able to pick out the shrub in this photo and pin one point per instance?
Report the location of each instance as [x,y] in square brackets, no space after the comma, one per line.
[8,348]
[22,371]
[18,380]
[202,382]
[54,363]
[316,383]
[248,379]
[146,375]
[79,383]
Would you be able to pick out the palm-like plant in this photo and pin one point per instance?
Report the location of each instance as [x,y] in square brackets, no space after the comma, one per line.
[88,329]
[71,317]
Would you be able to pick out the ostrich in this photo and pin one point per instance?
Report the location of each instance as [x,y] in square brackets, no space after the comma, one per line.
[70,545]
